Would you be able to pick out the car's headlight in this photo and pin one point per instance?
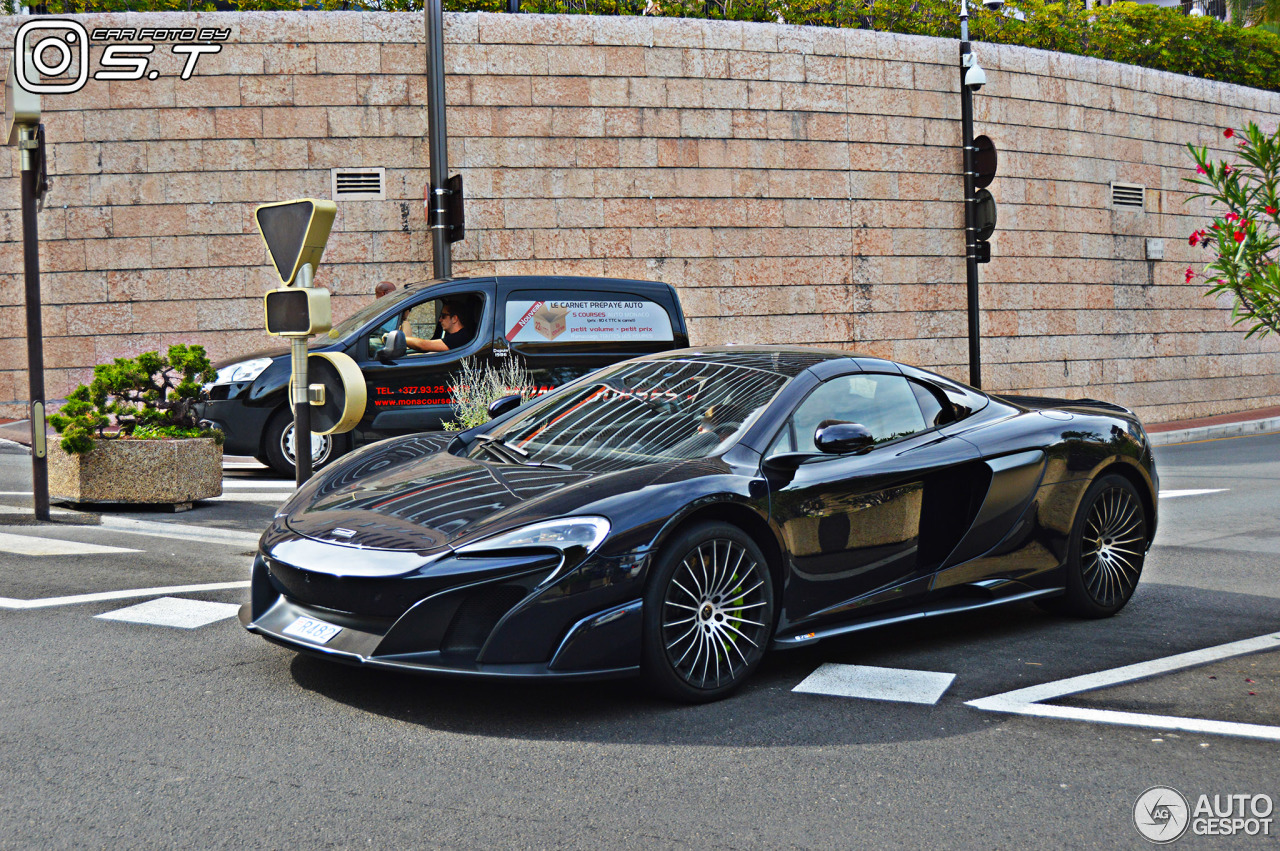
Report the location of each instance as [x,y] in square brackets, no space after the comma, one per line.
[580,535]
[246,370]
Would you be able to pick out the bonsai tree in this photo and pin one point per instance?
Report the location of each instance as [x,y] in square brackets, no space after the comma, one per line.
[1245,233]
[147,397]
[477,387]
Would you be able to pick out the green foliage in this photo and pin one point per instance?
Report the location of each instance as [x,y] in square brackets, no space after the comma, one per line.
[1244,237]
[147,397]
[1137,34]
[477,387]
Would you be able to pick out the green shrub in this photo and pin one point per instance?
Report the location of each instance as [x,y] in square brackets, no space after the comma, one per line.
[477,387]
[1133,33]
[147,397]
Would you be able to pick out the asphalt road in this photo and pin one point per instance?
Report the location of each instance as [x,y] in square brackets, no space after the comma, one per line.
[118,733]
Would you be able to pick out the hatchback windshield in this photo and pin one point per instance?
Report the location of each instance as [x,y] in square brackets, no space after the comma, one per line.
[636,413]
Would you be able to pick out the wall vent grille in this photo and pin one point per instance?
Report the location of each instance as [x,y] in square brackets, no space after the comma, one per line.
[359,184]
[1128,196]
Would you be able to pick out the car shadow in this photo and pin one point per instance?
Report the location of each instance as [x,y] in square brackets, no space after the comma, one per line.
[990,651]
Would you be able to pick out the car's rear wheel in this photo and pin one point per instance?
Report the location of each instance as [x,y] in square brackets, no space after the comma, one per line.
[1107,550]
[708,614]
[279,445]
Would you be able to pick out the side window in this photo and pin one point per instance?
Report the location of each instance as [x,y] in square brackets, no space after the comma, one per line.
[935,412]
[884,404]
[435,325]
[553,320]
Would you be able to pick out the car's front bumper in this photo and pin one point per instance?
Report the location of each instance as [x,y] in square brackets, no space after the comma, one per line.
[463,617]
[242,425]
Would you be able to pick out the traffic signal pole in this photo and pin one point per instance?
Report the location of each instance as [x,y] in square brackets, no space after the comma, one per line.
[299,395]
[438,143]
[970,190]
[31,154]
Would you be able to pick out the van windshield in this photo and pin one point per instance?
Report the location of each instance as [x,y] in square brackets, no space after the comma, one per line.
[377,306]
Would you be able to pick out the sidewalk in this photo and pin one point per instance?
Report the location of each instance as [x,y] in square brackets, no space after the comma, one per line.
[1257,421]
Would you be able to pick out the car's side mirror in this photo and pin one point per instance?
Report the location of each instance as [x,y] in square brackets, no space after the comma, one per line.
[836,438]
[498,407]
[393,346]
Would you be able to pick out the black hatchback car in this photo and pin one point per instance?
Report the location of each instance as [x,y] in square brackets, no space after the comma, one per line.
[562,327]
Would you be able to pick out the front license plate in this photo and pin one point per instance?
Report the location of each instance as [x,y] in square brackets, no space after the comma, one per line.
[312,630]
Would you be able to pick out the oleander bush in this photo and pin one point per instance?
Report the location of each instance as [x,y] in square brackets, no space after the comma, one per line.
[1244,237]
[150,397]
[1132,33]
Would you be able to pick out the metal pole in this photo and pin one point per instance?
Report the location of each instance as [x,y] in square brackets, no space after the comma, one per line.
[970,225]
[300,398]
[35,330]
[438,141]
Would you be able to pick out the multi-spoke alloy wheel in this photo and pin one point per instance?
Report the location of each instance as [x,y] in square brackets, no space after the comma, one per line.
[1112,547]
[1108,547]
[708,613]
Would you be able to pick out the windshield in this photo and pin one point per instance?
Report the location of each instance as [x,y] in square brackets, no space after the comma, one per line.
[637,413]
[361,317]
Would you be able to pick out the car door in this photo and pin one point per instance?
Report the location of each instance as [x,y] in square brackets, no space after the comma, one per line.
[852,524]
[415,392]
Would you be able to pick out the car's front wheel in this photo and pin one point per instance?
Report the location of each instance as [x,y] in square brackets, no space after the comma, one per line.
[1107,550]
[279,445]
[708,613]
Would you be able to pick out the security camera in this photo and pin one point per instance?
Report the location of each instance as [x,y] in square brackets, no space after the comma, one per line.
[975,78]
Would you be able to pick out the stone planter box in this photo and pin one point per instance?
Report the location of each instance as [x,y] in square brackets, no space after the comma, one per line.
[137,471]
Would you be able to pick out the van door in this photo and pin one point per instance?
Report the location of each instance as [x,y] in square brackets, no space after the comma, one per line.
[415,392]
[563,334]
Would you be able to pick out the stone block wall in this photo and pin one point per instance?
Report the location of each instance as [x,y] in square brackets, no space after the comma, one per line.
[797,185]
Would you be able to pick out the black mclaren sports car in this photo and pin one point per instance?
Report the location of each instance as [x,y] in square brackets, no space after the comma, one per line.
[677,515]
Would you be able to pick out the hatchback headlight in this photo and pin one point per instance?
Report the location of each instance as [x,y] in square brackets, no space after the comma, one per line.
[579,535]
[243,371]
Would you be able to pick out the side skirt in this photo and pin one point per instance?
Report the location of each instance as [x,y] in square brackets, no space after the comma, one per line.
[813,637]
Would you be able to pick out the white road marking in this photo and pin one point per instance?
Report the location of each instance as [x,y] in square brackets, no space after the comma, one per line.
[873,683]
[181,532]
[47,602]
[270,498]
[175,612]
[1194,492]
[28,545]
[1029,701]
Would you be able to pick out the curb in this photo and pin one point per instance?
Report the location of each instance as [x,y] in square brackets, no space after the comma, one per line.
[1188,435]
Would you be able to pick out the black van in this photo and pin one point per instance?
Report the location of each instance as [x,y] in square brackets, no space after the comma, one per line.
[563,327]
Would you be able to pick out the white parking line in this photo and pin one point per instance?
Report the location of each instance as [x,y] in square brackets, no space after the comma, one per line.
[47,602]
[1195,492]
[173,611]
[872,683]
[29,545]
[181,532]
[1029,701]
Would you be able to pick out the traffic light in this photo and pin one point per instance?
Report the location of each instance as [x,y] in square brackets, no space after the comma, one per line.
[984,205]
[297,311]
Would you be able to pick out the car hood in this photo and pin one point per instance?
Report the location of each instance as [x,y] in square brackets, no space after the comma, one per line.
[440,500]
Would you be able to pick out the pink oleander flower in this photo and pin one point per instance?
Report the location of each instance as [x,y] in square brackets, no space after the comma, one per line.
[1200,170]
[1238,236]
[1271,211]
[1228,132]
[1190,274]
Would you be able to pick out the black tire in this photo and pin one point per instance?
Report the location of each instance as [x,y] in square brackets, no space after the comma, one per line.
[700,643]
[277,446]
[1107,549]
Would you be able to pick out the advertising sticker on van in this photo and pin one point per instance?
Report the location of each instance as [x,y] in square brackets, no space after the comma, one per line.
[585,321]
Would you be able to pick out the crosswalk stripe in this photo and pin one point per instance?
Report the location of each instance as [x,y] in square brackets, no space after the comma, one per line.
[47,602]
